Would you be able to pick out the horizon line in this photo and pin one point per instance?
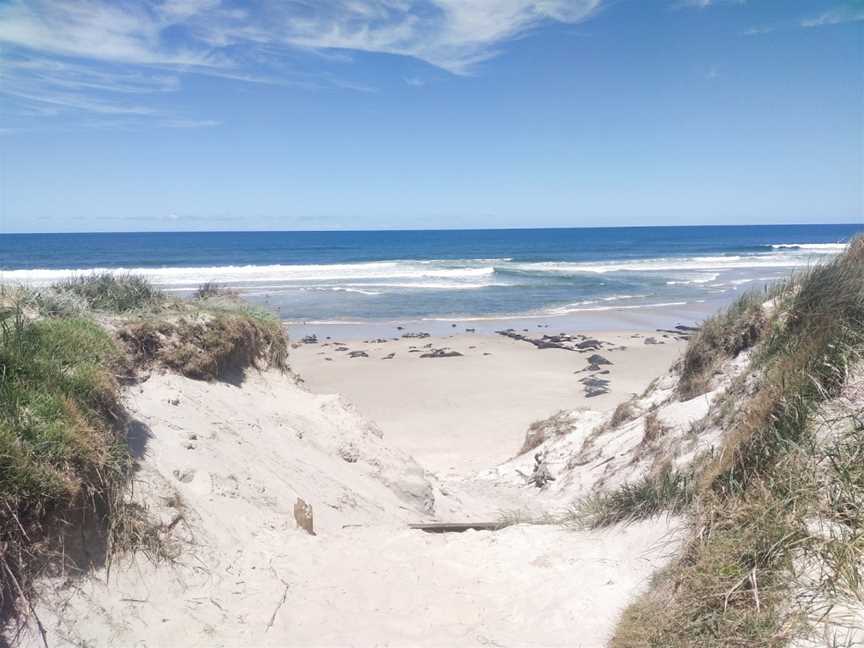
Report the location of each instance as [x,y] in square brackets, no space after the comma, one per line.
[431,229]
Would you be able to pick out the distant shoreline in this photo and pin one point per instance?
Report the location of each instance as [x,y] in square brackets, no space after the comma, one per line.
[588,321]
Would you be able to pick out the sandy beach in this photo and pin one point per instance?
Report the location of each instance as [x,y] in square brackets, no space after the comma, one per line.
[468,412]
[431,324]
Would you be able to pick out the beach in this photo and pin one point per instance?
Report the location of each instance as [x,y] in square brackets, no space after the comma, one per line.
[387,483]
[372,443]
[463,413]
[431,324]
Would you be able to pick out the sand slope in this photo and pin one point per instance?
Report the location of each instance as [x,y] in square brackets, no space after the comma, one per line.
[225,464]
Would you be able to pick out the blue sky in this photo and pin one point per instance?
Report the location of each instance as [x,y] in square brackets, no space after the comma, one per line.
[118,115]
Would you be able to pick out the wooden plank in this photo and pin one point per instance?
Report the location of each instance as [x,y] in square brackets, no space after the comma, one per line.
[455,527]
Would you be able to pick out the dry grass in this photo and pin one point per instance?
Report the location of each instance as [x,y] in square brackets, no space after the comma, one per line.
[723,336]
[208,345]
[213,290]
[558,424]
[625,411]
[776,496]
[110,292]
[654,429]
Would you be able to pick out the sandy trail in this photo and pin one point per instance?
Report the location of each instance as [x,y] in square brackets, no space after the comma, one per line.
[517,587]
[379,586]
[233,459]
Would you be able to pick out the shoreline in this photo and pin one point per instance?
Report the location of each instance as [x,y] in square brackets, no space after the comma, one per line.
[611,319]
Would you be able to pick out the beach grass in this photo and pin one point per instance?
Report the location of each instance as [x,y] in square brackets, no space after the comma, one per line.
[62,447]
[111,292]
[212,338]
[65,464]
[723,336]
[670,492]
[777,531]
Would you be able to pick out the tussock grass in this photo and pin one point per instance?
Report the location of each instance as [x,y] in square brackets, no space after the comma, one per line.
[654,429]
[538,432]
[112,293]
[62,451]
[65,465]
[670,491]
[512,517]
[212,290]
[721,337]
[778,523]
[624,412]
[208,345]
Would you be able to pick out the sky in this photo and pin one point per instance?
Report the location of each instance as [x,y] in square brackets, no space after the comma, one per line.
[123,115]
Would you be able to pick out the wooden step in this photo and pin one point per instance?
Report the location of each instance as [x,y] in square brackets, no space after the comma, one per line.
[455,527]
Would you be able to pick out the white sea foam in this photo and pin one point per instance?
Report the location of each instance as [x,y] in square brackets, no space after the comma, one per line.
[669,264]
[557,311]
[436,274]
[577,308]
[175,276]
[825,247]
[694,280]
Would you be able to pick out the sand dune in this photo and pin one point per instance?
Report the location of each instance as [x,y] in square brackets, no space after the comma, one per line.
[223,466]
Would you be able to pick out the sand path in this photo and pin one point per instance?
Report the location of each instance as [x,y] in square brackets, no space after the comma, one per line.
[232,460]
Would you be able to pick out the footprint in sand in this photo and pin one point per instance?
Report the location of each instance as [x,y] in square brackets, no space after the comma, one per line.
[226,486]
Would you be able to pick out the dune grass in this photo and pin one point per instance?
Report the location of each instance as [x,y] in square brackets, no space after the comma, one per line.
[540,431]
[669,492]
[62,451]
[213,290]
[110,292]
[625,411]
[211,344]
[65,465]
[777,496]
[722,336]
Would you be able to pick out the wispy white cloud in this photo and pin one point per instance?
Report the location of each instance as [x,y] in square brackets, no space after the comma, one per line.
[851,12]
[417,82]
[80,102]
[451,34]
[95,55]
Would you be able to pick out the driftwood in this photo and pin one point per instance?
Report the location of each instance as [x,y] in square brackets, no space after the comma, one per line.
[303,516]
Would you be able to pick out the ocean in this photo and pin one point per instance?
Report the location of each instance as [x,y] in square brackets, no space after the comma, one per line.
[388,276]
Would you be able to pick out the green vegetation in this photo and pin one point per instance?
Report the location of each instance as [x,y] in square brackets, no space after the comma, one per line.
[721,337]
[668,492]
[208,345]
[112,293]
[61,442]
[778,521]
[211,290]
[65,465]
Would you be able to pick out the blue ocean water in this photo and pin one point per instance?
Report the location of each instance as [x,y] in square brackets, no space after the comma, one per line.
[403,275]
